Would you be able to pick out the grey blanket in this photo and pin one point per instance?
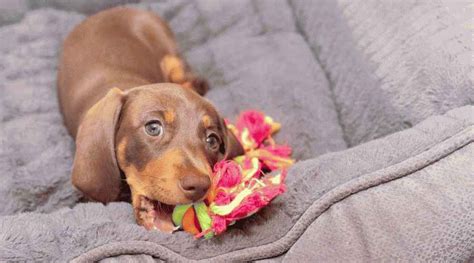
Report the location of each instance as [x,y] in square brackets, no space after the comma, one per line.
[406,196]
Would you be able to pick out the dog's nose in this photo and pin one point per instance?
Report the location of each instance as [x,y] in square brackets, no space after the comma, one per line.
[195,187]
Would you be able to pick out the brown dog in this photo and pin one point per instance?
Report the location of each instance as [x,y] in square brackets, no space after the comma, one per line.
[162,139]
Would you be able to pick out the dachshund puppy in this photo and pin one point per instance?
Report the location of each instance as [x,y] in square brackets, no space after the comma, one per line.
[137,115]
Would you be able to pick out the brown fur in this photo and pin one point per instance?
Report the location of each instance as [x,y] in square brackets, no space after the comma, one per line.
[110,84]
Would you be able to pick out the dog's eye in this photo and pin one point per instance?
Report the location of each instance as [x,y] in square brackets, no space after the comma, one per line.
[154,128]
[213,141]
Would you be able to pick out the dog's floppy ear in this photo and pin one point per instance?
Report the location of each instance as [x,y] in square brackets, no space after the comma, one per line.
[233,148]
[95,171]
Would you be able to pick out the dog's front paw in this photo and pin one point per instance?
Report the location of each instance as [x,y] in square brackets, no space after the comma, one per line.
[153,214]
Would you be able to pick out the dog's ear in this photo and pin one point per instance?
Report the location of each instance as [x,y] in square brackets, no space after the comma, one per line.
[95,171]
[233,148]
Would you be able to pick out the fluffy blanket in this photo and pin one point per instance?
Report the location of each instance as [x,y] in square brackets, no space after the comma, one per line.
[274,56]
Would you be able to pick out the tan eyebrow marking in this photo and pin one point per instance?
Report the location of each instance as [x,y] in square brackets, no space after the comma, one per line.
[206,121]
[169,116]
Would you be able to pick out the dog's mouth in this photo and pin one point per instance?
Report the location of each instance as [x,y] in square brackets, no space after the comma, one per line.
[155,215]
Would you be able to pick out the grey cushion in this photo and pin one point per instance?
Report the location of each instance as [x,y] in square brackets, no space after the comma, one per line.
[413,218]
[391,64]
[14,10]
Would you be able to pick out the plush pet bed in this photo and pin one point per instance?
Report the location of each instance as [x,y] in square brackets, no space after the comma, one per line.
[376,100]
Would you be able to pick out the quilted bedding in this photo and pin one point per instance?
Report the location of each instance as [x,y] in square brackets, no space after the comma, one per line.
[377,108]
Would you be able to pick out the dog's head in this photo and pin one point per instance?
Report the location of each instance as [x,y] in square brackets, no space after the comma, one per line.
[165,138]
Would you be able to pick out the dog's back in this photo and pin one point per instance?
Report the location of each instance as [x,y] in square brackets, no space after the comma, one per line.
[119,47]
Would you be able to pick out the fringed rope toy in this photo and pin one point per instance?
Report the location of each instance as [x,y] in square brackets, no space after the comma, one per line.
[242,186]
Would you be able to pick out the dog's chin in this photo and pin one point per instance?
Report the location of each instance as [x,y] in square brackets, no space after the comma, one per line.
[156,215]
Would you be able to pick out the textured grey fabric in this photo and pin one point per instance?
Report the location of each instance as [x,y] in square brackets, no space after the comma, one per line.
[36,151]
[366,227]
[131,259]
[281,58]
[14,10]
[391,64]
